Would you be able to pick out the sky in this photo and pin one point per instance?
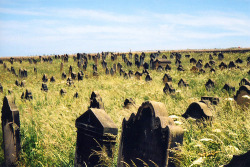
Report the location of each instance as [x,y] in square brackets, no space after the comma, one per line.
[46,27]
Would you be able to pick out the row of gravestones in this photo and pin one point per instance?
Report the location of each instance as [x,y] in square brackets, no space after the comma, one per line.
[147,138]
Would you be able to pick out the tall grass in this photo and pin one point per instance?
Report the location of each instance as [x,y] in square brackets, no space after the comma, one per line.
[48,132]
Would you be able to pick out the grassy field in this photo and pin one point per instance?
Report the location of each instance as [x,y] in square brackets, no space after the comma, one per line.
[48,133]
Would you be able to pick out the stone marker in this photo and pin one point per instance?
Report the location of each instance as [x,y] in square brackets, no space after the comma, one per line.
[63,92]
[44,87]
[242,96]
[199,64]
[52,79]
[107,71]
[198,110]
[168,89]
[27,95]
[80,76]
[228,88]
[211,57]
[95,130]
[220,56]
[148,136]
[167,78]
[73,75]
[45,78]
[148,78]
[17,83]
[64,75]
[61,67]
[182,83]
[96,101]
[212,70]
[244,81]
[180,68]
[11,132]
[112,71]
[128,103]
[222,66]
[160,62]
[193,60]
[138,75]
[70,82]
[239,61]
[95,74]
[209,85]
[76,95]
[231,64]
[207,65]
[70,69]
[212,100]
[168,67]
[23,83]
[1,88]
[240,160]
[211,62]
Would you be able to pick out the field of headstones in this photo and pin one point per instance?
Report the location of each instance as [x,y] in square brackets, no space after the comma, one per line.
[187,109]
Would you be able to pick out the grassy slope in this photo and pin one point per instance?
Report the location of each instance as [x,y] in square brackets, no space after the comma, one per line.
[48,121]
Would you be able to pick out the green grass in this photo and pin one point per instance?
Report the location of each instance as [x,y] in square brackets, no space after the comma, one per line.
[48,133]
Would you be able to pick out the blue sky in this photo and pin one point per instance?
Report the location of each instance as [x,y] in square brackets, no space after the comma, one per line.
[33,27]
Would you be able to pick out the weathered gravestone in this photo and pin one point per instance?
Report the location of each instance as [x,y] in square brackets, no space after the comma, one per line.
[44,87]
[148,136]
[148,78]
[138,75]
[220,56]
[80,76]
[23,83]
[17,83]
[239,61]
[96,101]
[64,75]
[167,78]
[212,100]
[242,96]
[45,78]
[240,160]
[244,81]
[27,95]
[228,88]
[198,110]
[1,88]
[168,89]
[70,82]
[112,71]
[107,71]
[63,92]
[168,67]
[73,75]
[182,83]
[95,74]
[209,85]
[52,79]
[207,65]
[95,132]
[180,68]
[76,95]
[222,66]
[128,103]
[193,60]
[199,64]
[11,132]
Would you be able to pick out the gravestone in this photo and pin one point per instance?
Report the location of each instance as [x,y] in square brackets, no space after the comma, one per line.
[180,68]
[209,85]
[228,88]
[73,75]
[64,75]
[148,78]
[107,71]
[130,73]
[239,61]
[240,160]
[27,95]
[96,101]
[198,110]
[128,103]
[211,57]
[201,71]
[70,69]
[45,78]
[194,69]
[193,60]
[61,67]
[231,64]
[76,95]
[44,87]
[244,81]
[220,56]
[207,65]
[63,92]
[168,89]
[80,76]
[125,75]
[95,130]
[212,70]
[95,74]
[159,69]
[1,88]
[211,62]
[23,83]
[167,78]
[17,83]
[242,96]
[168,67]
[148,136]
[112,72]
[35,69]
[187,56]
[138,75]
[146,66]
[70,82]
[11,132]
[52,79]
[222,66]
[212,100]
[182,83]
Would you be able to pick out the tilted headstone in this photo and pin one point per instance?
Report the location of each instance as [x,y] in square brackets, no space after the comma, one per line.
[220,56]
[168,67]
[148,136]
[209,85]
[96,101]
[198,110]
[207,65]
[193,60]
[182,83]
[76,95]
[168,89]
[64,75]
[128,103]
[242,96]
[240,160]
[148,78]
[45,78]
[73,75]
[138,75]
[27,95]
[23,83]
[95,131]
[52,79]
[239,61]
[231,64]
[44,87]
[11,132]
[70,82]
[17,83]
[63,92]
[244,81]
[212,100]
[222,66]
[167,78]
[80,76]
[228,88]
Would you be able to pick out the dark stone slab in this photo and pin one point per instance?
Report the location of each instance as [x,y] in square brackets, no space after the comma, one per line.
[1,88]
[23,83]
[27,95]
[240,160]
[96,101]
[242,96]
[128,103]
[148,78]
[168,89]
[244,81]
[222,66]
[212,100]
[148,136]
[228,88]
[239,61]
[64,75]
[138,75]
[95,130]
[44,87]
[198,110]
[182,83]
[63,92]
[167,78]
[231,64]
[76,95]
[209,85]
[168,67]
[45,78]
[220,56]
[73,75]
[70,82]
[193,61]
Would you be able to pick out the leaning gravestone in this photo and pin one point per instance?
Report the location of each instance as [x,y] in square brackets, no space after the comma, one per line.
[128,103]
[244,81]
[212,100]
[240,160]
[11,132]
[27,95]
[168,89]
[228,88]
[95,131]
[167,78]
[198,110]
[44,87]
[148,136]
[242,96]
[148,78]
[45,78]
[182,83]
[96,101]
[209,84]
